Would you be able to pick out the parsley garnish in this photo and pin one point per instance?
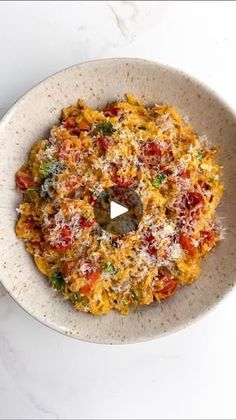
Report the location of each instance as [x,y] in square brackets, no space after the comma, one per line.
[95,192]
[31,192]
[44,169]
[212,180]
[50,168]
[76,297]
[136,295]
[105,127]
[158,180]
[47,189]
[57,281]
[109,268]
[199,155]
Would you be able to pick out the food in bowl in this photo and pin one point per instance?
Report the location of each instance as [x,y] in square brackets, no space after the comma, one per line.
[149,149]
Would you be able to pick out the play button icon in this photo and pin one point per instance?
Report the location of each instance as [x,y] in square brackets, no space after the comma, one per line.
[118,210]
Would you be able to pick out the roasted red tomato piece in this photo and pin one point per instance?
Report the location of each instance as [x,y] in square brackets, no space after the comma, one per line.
[150,242]
[75,131]
[151,154]
[69,123]
[169,285]
[111,112]
[91,278]
[30,222]
[207,236]
[186,243]
[184,174]
[168,289]
[194,199]
[24,180]
[104,142]
[65,240]
[85,223]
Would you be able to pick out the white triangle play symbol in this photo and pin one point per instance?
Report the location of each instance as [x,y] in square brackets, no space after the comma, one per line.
[117,210]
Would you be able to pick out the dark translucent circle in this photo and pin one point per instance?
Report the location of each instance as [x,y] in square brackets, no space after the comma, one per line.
[125,223]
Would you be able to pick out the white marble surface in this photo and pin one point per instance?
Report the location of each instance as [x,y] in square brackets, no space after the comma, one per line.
[44,375]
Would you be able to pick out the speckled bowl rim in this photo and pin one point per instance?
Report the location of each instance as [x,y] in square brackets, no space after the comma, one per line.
[216,96]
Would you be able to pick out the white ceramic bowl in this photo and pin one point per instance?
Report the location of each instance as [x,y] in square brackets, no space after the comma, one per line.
[99,82]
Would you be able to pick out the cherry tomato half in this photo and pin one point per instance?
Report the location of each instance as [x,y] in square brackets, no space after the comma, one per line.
[65,240]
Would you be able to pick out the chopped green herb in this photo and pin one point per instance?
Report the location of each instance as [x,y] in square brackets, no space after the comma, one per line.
[136,295]
[57,281]
[212,180]
[77,298]
[50,168]
[31,192]
[95,192]
[109,268]
[44,169]
[47,189]
[176,271]
[199,155]
[158,180]
[105,127]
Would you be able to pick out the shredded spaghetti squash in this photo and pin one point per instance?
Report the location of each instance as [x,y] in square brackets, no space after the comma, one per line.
[150,149]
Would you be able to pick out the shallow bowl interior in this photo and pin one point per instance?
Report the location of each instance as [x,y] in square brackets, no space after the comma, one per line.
[99,82]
